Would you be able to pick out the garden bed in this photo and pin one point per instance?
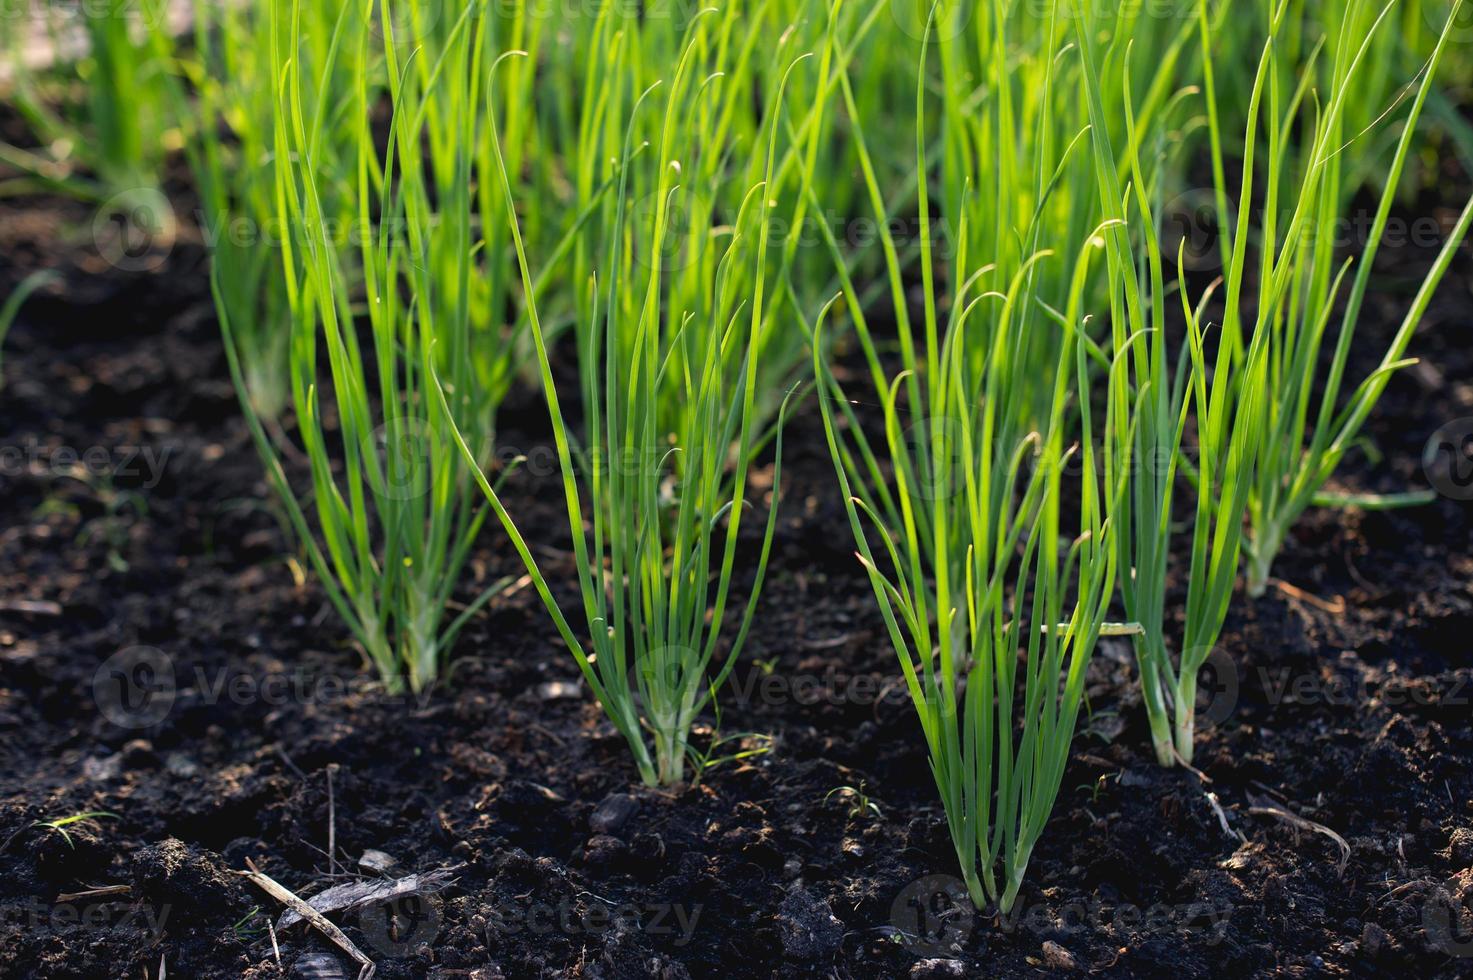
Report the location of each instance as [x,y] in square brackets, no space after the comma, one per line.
[1330,817]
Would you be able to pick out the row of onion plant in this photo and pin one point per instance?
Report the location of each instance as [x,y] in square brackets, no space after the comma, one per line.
[442,192]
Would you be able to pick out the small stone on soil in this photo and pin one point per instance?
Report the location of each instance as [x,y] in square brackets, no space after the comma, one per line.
[1056,957]
[318,966]
[610,816]
[938,969]
[1373,939]
[373,860]
[181,765]
[603,851]
[558,690]
[103,769]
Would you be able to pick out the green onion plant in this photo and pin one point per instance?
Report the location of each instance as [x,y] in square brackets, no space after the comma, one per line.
[670,358]
[231,78]
[994,591]
[1248,467]
[395,508]
[1310,426]
[104,121]
[1149,417]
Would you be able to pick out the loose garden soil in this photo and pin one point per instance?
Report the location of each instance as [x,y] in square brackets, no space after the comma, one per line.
[1330,821]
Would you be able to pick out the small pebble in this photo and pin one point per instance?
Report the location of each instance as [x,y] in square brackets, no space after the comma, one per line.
[558,690]
[1373,939]
[938,969]
[602,851]
[104,768]
[1056,957]
[318,966]
[373,860]
[610,816]
[181,765]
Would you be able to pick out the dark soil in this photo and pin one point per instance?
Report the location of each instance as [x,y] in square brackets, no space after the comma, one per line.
[135,535]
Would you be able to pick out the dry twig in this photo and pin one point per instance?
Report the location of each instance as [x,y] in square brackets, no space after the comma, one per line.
[314,917]
[1268,808]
